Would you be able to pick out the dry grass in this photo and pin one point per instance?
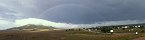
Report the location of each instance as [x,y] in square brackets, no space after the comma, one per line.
[62,35]
[104,36]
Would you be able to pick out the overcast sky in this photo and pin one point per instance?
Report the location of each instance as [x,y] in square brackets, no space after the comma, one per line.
[71,12]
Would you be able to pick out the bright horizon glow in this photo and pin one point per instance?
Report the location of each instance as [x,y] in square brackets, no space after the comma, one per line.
[36,21]
[22,22]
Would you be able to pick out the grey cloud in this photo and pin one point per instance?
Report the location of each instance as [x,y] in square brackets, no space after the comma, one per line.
[91,12]
[99,11]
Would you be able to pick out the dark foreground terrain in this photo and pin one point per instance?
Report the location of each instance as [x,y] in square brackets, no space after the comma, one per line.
[63,35]
[19,35]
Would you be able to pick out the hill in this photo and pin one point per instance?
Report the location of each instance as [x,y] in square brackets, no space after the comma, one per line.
[32,26]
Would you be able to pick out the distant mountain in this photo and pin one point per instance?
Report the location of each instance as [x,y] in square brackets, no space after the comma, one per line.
[32,26]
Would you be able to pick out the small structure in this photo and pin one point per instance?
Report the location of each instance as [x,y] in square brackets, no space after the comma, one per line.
[111,31]
[125,27]
[56,29]
[118,27]
[139,26]
[131,29]
[136,26]
[89,30]
[136,33]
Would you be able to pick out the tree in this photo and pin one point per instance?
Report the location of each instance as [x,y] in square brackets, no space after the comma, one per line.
[106,30]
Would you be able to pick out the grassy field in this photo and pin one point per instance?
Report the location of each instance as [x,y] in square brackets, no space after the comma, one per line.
[63,35]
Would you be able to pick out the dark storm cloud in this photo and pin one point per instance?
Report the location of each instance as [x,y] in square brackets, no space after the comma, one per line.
[78,11]
[96,11]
